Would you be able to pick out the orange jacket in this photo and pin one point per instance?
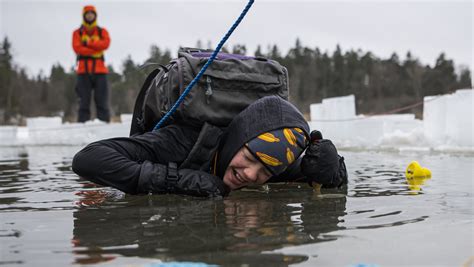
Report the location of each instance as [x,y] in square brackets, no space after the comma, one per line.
[89,44]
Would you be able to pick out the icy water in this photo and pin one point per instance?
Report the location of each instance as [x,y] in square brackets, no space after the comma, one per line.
[51,217]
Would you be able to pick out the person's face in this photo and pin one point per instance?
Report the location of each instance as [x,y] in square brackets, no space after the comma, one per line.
[89,16]
[244,169]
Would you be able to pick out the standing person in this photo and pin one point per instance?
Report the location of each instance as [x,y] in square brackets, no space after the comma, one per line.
[89,42]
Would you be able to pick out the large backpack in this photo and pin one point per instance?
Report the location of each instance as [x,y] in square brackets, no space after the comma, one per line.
[229,85]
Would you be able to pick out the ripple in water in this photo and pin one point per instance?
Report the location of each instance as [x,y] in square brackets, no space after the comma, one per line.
[42,199]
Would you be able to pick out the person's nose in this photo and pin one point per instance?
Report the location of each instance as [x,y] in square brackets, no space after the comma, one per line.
[251,174]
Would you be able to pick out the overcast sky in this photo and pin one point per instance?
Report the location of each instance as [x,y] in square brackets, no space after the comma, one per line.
[41,31]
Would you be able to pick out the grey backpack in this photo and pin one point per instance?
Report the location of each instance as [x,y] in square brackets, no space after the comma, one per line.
[229,85]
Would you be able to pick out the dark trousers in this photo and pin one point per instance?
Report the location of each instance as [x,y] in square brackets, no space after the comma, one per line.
[86,83]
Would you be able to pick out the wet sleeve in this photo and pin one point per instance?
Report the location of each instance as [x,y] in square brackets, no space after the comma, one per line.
[121,162]
[185,181]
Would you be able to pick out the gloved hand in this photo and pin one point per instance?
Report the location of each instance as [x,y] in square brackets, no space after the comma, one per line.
[168,179]
[200,183]
[321,164]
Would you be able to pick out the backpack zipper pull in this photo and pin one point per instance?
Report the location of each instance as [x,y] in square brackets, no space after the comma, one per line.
[209,89]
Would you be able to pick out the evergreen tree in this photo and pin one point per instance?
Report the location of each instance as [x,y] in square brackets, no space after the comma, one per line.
[258,51]
[379,84]
[338,73]
[441,79]
[465,79]
[275,53]
[159,56]
[199,44]
[412,73]
[6,75]
[239,49]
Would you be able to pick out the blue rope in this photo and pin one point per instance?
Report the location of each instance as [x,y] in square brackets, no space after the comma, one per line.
[209,61]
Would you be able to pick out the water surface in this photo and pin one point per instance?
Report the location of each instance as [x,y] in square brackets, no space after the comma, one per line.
[51,217]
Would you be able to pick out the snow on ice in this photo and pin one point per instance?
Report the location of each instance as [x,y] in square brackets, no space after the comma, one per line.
[447,125]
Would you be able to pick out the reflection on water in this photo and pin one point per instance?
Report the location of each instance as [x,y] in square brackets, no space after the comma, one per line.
[415,184]
[175,228]
[45,208]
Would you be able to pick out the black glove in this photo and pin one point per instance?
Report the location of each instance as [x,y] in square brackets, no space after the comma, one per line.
[183,181]
[321,164]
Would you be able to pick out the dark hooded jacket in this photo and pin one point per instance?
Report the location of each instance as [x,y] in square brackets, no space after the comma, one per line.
[131,164]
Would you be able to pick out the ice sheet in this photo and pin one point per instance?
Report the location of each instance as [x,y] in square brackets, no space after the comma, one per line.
[447,126]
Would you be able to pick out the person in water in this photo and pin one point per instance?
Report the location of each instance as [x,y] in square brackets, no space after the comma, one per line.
[264,143]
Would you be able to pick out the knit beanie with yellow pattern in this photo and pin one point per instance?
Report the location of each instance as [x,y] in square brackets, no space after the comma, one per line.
[278,149]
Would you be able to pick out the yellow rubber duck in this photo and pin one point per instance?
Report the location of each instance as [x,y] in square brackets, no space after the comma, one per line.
[416,175]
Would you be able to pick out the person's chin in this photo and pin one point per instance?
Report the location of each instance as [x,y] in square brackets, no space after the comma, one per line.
[229,183]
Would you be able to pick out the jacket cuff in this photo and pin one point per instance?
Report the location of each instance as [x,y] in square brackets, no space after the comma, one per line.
[152,178]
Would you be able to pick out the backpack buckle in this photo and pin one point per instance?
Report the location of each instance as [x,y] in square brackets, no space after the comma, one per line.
[172,172]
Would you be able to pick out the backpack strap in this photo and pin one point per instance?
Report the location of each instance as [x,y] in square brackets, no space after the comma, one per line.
[81,30]
[138,126]
[99,29]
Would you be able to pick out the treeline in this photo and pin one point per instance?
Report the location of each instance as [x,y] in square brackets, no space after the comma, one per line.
[379,85]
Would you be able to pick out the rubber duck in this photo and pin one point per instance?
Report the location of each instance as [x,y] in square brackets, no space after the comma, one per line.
[416,175]
[414,169]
